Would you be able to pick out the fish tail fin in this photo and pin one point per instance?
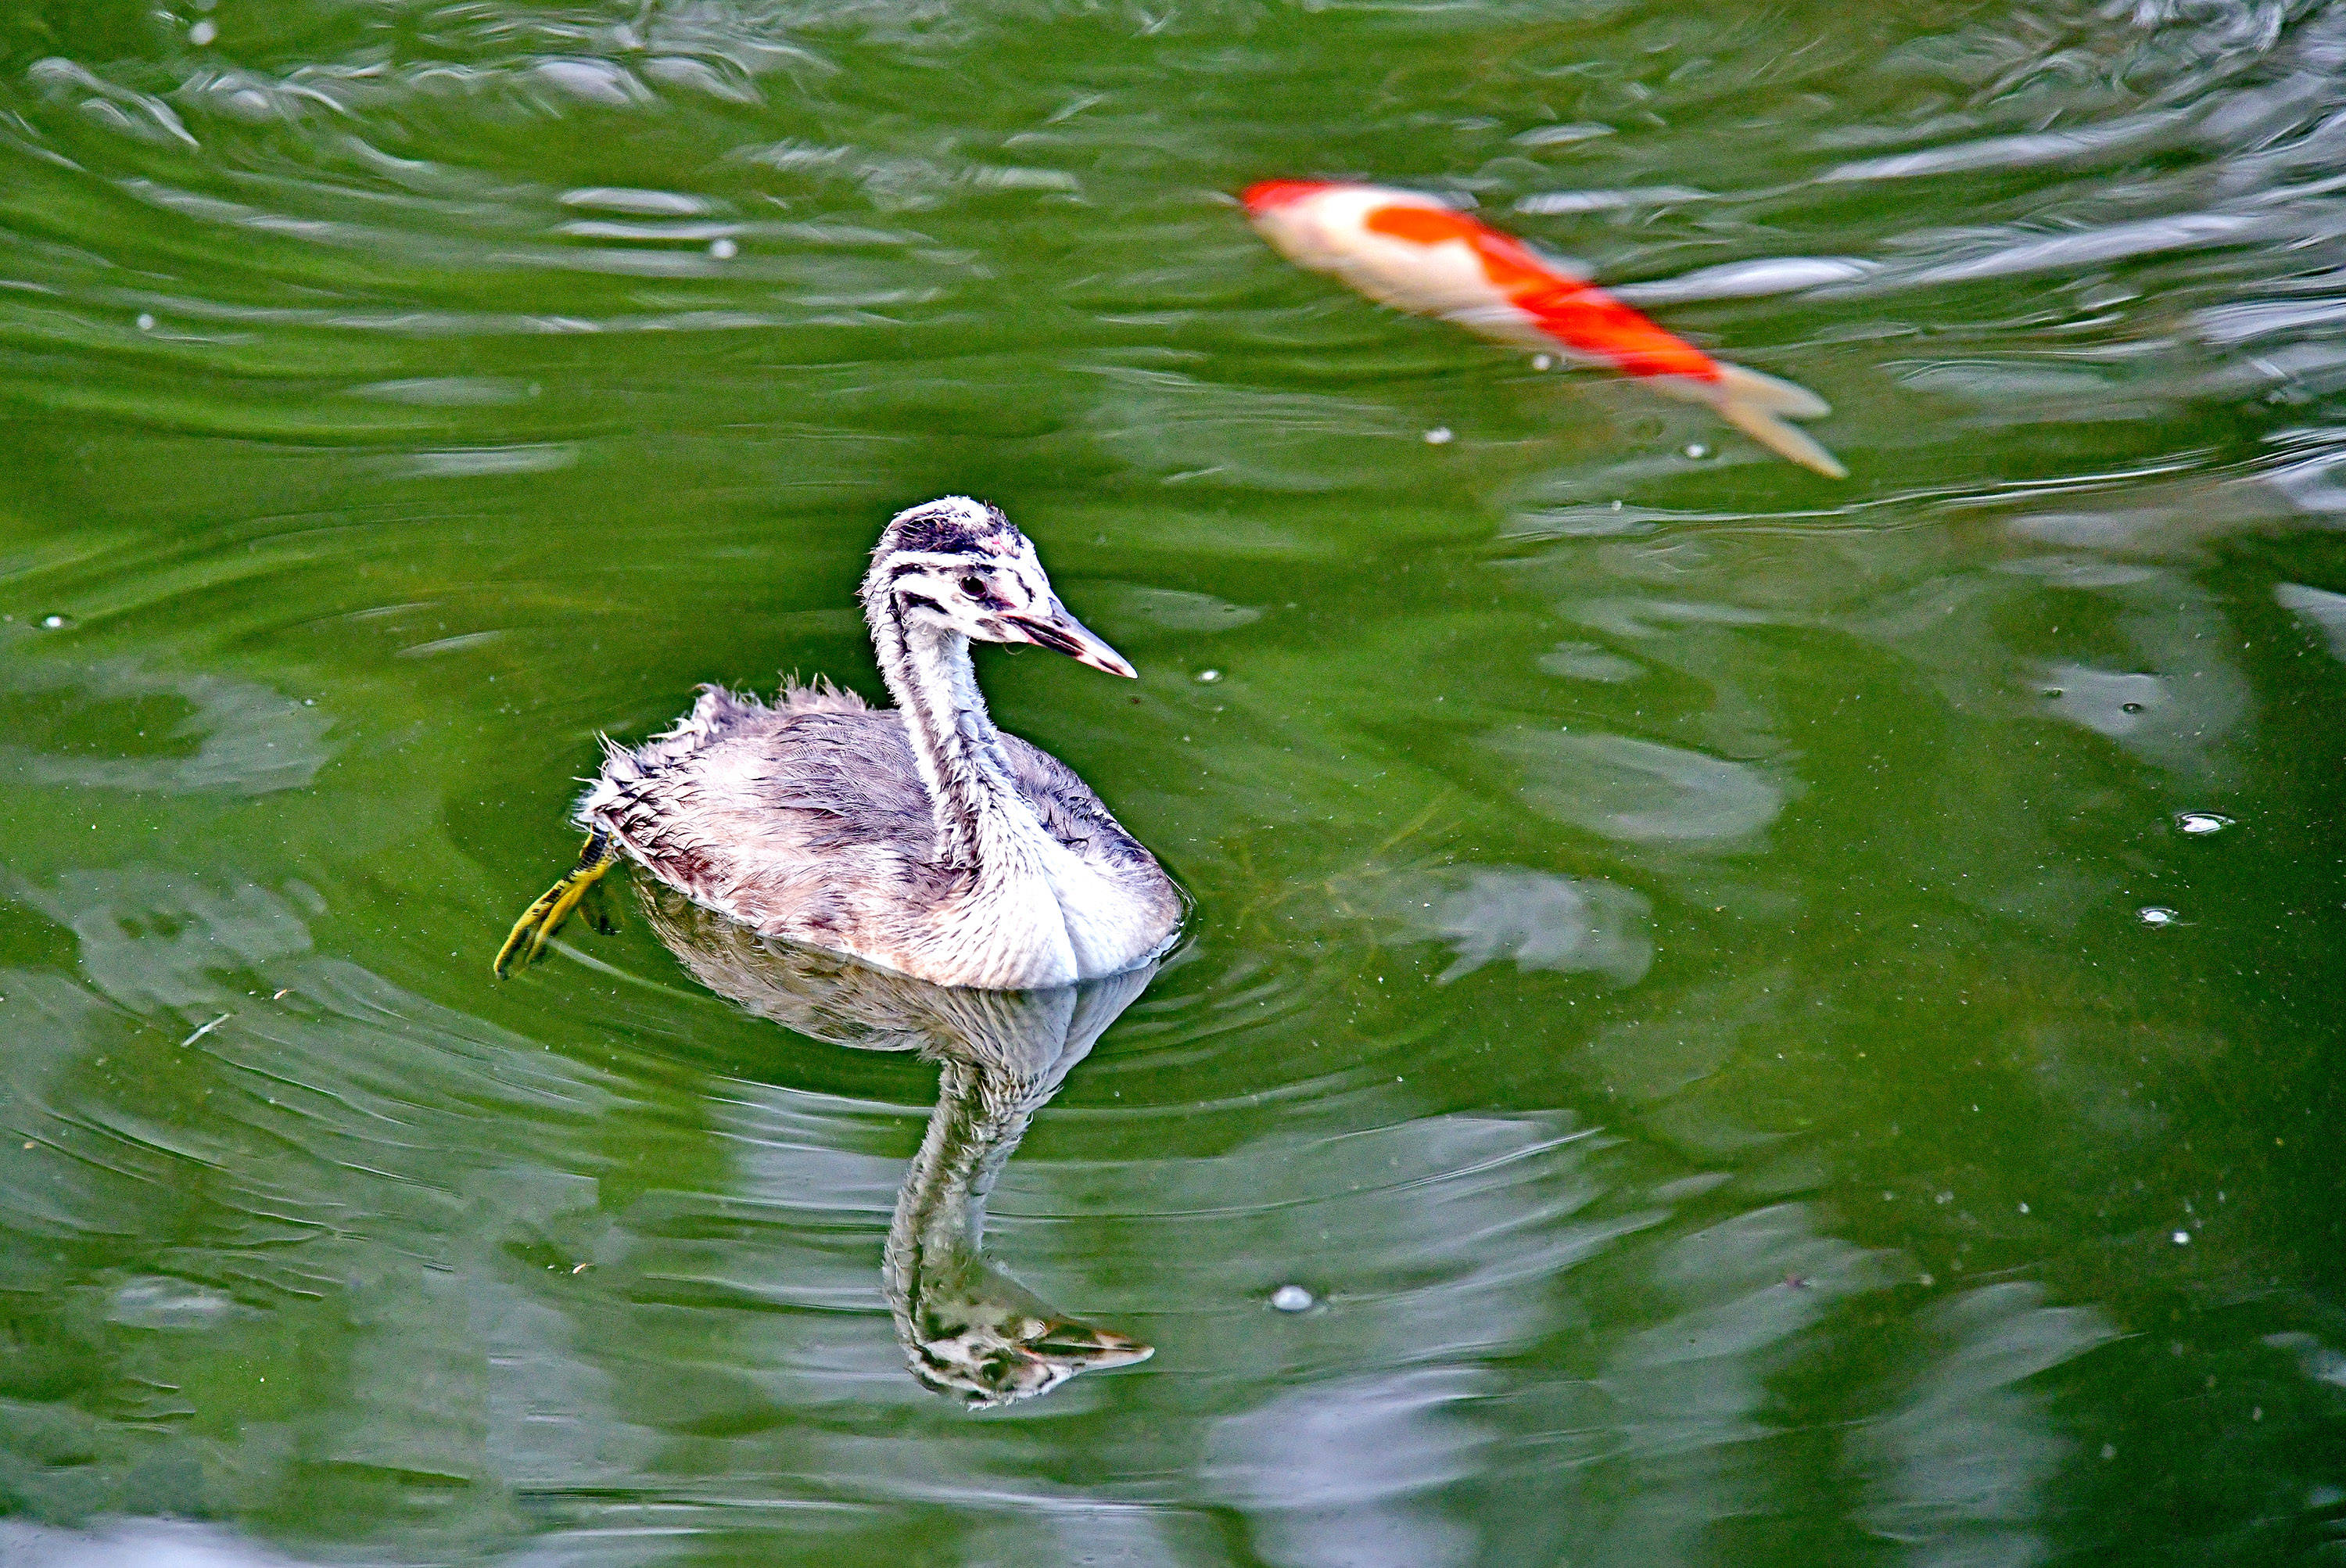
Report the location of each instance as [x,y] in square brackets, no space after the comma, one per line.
[1759,405]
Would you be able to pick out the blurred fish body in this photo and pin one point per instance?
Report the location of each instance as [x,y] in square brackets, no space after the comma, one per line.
[1416,252]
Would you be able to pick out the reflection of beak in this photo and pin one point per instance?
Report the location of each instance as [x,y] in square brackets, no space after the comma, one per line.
[1090,1347]
[1072,637]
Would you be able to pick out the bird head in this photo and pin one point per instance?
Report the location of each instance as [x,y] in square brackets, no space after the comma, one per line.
[959,566]
[993,1342]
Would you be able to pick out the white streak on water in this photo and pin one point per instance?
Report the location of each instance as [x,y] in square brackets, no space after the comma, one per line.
[2325,610]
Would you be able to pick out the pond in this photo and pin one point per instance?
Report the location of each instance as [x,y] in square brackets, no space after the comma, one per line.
[1727,1016]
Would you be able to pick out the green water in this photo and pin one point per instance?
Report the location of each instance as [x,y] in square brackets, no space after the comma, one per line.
[1668,972]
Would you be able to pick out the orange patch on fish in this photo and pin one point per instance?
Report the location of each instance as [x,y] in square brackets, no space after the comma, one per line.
[1266,194]
[1585,319]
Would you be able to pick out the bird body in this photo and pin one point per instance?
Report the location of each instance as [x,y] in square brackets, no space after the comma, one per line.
[1417,253]
[810,821]
[919,838]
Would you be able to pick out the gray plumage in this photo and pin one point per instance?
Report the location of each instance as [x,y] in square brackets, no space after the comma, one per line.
[920,838]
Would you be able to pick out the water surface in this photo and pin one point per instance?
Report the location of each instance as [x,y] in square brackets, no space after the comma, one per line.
[1718,983]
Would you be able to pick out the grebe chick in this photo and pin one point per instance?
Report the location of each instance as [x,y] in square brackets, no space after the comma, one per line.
[918,838]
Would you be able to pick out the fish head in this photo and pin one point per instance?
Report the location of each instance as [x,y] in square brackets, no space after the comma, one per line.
[1393,245]
[1265,195]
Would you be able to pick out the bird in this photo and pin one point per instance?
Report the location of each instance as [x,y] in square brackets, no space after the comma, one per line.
[1416,252]
[967,1330]
[920,838]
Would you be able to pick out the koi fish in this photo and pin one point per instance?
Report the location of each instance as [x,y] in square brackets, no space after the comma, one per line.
[1415,251]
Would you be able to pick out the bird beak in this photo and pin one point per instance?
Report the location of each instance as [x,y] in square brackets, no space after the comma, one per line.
[1089,1347]
[1070,636]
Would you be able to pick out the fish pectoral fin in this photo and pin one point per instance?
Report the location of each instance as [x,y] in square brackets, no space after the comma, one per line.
[525,944]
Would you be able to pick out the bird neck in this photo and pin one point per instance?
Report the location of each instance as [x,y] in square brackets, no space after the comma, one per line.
[980,1117]
[935,1254]
[976,806]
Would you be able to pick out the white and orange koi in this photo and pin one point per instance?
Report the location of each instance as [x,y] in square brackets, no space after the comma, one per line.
[1415,251]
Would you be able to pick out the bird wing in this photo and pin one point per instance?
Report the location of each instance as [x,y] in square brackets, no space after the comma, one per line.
[1068,808]
[774,817]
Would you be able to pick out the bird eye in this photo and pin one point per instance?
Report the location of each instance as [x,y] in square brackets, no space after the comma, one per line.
[973,587]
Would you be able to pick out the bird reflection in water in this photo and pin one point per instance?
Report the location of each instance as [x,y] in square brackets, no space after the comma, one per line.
[968,1329]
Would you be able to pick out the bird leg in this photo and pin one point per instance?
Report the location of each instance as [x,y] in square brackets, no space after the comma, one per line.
[598,909]
[525,944]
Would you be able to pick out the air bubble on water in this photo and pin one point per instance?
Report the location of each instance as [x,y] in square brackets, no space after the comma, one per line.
[2024,1208]
[57,623]
[1925,1280]
[1943,1197]
[1208,677]
[1697,450]
[2154,915]
[1293,1298]
[2109,1451]
[2129,707]
[203,31]
[724,250]
[2196,822]
[1541,363]
[145,322]
[2182,1238]
[1439,435]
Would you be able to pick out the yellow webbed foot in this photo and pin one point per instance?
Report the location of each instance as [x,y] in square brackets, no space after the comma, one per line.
[525,944]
